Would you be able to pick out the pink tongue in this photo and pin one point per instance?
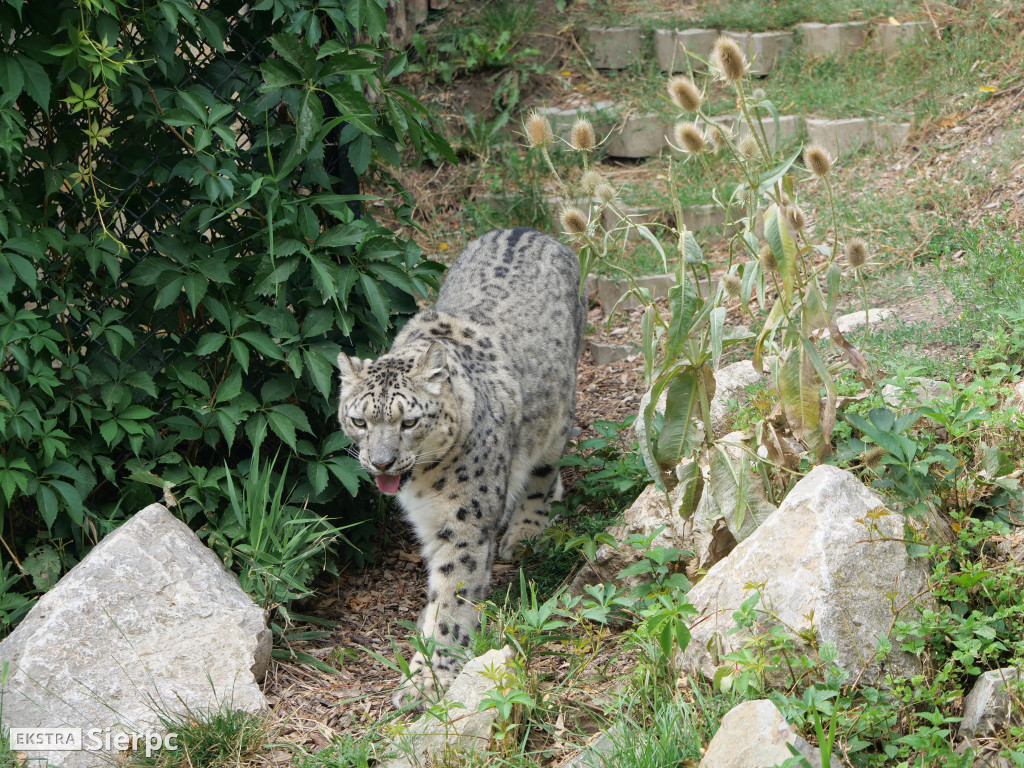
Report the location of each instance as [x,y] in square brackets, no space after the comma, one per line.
[388,483]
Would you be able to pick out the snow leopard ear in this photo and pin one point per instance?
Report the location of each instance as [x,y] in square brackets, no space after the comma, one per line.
[432,368]
[350,367]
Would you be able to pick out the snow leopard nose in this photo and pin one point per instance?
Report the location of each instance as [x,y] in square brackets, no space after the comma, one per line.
[383,465]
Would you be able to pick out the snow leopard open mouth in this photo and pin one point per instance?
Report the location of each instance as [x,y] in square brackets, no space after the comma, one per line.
[388,483]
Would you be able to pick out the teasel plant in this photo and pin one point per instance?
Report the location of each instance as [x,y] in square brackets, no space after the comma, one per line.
[776,247]
[774,256]
[681,348]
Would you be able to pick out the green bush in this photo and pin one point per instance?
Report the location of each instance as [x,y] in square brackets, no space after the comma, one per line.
[184,251]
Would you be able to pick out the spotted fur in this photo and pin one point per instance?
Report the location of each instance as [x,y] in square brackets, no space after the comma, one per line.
[465,418]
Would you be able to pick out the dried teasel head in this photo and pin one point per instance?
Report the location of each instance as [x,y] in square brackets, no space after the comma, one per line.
[605,193]
[797,218]
[733,284]
[573,220]
[684,93]
[767,259]
[872,456]
[818,160]
[590,181]
[728,59]
[690,138]
[719,135]
[582,137]
[538,130]
[856,252]
[748,148]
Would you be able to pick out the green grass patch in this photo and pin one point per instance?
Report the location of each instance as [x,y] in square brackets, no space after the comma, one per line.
[924,79]
[220,739]
[751,15]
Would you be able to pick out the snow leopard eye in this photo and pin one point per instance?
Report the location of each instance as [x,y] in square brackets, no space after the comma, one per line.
[358,423]
[409,423]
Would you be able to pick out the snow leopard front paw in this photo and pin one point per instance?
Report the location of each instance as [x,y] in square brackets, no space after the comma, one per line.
[423,687]
[516,533]
[417,692]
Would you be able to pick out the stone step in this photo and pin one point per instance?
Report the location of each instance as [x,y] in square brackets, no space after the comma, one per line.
[851,134]
[680,50]
[615,47]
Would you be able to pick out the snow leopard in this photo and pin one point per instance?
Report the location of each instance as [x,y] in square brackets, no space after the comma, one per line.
[465,419]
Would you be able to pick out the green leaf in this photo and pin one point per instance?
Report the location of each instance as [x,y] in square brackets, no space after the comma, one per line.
[283,427]
[690,488]
[294,414]
[800,393]
[394,275]
[359,153]
[109,431]
[277,74]
[308,119]
[341,235]
[297,53]
[380,304]
[321,371]
[780,240]
[679,438]
[262,344]
[717,329]
[37,82]
[195,288]
[318,477]
[348,472]
[733,482]
[210,343]
[230,388]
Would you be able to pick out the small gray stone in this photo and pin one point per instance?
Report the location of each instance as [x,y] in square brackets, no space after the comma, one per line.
[615,47]
[921,390]
[604,354]
[150,622]
[464,727]
[682,50]
[854,320]
[839,136]
[595,754]
[640,136]
[987,708]
[755,735]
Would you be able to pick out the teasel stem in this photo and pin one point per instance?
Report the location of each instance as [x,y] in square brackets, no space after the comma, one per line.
[762,141]
[551,167]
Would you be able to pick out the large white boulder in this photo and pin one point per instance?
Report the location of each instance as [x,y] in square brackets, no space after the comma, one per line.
[458,723]
[754,734]
[149,622]
[832,561]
